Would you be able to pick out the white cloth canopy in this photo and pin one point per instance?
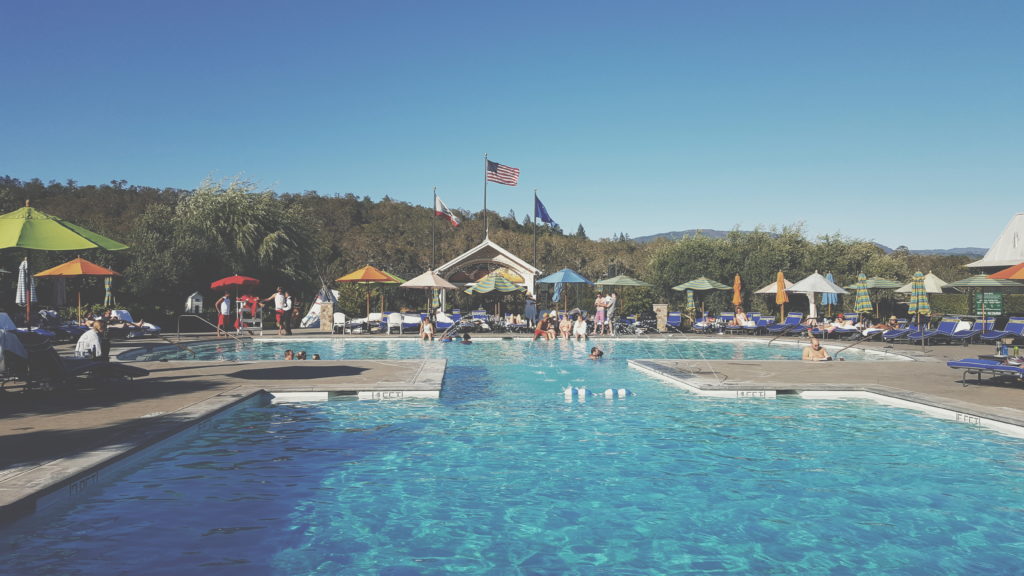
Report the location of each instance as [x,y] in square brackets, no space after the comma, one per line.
[774,287]
[932,285]
[817,283]
[429,280]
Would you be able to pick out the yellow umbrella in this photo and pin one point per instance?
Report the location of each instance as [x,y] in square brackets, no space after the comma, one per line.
[369,275]
[78,267]
[781,297]
[737,297]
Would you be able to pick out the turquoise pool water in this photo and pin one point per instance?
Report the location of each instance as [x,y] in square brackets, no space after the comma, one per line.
[503,476]
[500,350]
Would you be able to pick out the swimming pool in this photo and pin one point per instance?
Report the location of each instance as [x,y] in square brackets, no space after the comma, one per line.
[495,349]
[502,475]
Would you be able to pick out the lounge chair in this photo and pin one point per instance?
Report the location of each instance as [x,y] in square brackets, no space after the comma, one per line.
[674,322]
[512,326]
[63,330]
[442,321]
[791,324]
[994,368]
[943,332]
[128,331]
[898,333]
[338,324]
[1014,327]
[50,370]
[760,325]
[980,326]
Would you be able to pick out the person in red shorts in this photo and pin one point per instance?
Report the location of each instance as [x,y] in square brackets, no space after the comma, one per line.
[281,311]
[225,314]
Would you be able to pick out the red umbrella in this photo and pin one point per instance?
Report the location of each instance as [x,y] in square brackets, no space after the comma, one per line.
[235,281]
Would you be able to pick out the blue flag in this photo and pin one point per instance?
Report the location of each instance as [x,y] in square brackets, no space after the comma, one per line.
[539,211]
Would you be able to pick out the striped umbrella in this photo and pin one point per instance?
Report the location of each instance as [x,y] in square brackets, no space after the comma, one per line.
[737,295]
[691,306]
[26,291]
[108,296]
[829,299]
[701,284]
[862,303]
[919,298]
[492,283]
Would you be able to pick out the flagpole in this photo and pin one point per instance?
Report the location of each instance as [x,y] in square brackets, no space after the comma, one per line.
[433,257]
[535,228]
[486,228]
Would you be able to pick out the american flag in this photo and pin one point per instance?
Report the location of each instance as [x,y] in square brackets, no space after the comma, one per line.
[502,174]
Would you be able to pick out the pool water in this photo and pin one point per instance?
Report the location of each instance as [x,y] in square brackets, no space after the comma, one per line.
[503,475]
[495,349]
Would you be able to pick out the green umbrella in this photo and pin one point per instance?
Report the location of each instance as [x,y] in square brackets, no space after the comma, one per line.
[31,229]
[622,280]
[691,306]
[491,283]
[981,282]
[862,303]
[876,283]
[701,283]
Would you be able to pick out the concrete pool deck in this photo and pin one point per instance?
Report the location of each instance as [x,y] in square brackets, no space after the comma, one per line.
[54,446]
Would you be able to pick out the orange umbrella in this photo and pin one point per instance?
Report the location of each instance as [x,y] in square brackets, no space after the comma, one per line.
[737,297]
[1011,273]
[781,297]
[78,267]
[369,275]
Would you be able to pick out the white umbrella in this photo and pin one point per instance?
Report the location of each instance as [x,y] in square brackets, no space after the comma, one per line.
[816,283]
[24,279]
[429,280]
[773,288]
[932,285]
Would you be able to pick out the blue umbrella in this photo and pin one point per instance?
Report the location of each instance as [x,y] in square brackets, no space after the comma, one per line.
[828,298]
[564,275]
[560,278]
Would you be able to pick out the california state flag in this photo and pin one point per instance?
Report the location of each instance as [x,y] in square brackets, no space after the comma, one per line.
[441,210]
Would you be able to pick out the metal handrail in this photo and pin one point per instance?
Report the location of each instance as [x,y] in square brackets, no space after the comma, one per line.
[208,323]
[860,340]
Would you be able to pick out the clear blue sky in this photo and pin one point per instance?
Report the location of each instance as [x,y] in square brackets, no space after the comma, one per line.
[900,122]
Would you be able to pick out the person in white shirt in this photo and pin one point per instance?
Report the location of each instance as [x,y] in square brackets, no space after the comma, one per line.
[280,301]
[225,314]
[94,344]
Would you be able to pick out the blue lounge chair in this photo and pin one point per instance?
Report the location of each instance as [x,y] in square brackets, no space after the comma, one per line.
[898,333]
[1014,327]
[674,322]
[793,320]
[994,368]
[760,325]
[943,332]
[980,326]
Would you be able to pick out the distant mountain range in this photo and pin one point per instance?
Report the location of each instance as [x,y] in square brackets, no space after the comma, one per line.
[970,251]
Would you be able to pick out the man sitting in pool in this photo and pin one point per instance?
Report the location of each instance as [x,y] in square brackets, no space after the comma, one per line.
[815,353]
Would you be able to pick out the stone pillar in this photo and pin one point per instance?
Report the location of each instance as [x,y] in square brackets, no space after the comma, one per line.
[327,317]
[661,313]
